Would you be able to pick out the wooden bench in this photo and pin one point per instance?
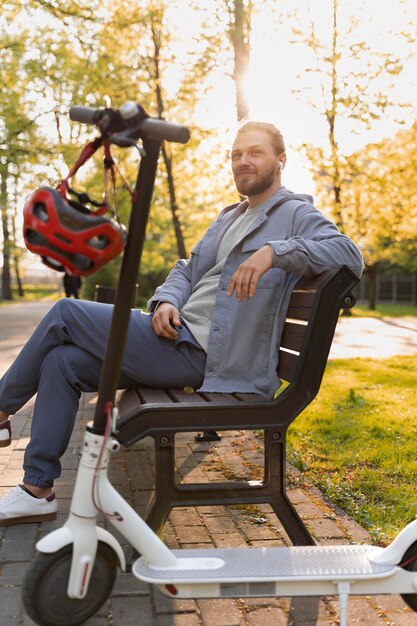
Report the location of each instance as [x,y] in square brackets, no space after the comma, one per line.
[162,413]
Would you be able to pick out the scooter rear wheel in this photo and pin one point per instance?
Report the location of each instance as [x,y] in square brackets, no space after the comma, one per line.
[45,587]
[410,563]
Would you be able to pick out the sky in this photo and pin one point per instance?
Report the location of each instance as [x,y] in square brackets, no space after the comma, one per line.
[276,71]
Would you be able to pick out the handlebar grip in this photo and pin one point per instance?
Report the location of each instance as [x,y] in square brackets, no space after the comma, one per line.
[154,128]
[85,115]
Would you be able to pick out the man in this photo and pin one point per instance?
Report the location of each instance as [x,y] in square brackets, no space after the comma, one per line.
[72,285]
[215,323]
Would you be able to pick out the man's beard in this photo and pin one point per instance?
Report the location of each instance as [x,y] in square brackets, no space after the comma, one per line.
[257,185]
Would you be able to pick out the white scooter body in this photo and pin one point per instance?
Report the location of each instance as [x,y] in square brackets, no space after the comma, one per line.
[217,573]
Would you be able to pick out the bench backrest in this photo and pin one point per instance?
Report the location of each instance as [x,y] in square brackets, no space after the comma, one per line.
[311,320]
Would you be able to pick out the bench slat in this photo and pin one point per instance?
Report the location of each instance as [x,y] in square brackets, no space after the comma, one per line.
[287,364]
[301,304]
[219,397]
[293,335]
[128,401]
[180,395]
[308,283]
[249,397]
[149,395]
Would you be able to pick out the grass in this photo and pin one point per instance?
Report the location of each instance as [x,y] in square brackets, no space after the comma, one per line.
[357,441]
[33,293]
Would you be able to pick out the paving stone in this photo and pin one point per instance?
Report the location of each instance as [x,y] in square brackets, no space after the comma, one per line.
[10,602]
[269,616]
[185,517]
[323,528]
[126,611]
[401,619]
[361,612]
[220,612]
[188,535]
[230,540]
[220,525]
[17,550]
[164,604]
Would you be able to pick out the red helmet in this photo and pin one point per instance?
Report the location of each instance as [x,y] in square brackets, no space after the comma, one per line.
[67,235]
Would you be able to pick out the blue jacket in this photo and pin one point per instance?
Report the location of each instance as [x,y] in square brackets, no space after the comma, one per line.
[244,336]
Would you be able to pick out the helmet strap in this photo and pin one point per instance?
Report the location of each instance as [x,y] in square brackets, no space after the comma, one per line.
[86,154]
[110,168]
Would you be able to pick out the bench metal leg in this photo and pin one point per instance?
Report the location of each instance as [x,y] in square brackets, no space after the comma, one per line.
[170,494]
[275,488]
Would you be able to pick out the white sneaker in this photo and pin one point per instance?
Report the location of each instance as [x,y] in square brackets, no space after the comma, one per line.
[19,507]
[5,434]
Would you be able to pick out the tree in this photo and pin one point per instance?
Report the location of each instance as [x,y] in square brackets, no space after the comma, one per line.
[239,30]
[348,74]
[124,54]
[380,204]
[29,61]
[18,141]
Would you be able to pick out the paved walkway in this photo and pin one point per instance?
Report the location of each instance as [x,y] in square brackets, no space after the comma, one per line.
[133,602]
[374,338]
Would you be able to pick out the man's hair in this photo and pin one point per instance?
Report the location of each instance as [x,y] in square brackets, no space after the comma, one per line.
[275,135]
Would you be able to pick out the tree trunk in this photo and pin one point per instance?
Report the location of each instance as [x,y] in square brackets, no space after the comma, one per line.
[5,279]
[16,252]
[20,290]
[240,38]
[167,160]
[173,204]
[372,273]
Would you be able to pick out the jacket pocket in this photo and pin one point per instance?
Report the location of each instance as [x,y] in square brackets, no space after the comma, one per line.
[272,278]
[252,244]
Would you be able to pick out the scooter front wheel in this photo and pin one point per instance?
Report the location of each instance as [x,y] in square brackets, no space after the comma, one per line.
[410,563]
[45,587]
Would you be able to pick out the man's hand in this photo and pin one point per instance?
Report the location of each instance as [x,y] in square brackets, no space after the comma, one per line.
[165,318]
[245,279]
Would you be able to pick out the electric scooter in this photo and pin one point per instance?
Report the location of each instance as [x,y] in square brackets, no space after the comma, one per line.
[74,570]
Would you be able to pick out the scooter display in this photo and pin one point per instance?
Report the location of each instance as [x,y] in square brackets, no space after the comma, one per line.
[75,567]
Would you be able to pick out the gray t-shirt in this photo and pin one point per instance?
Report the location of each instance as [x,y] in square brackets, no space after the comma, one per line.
[198,310]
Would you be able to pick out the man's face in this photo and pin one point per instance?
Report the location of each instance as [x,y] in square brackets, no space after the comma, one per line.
[255,165]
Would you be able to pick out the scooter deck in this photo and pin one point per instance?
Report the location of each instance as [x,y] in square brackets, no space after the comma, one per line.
[304,563]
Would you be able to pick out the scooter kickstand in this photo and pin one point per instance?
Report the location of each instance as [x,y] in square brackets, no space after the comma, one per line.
[343,591]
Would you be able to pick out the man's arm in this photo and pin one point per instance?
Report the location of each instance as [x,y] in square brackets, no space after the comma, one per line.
[165,319]
[316,246]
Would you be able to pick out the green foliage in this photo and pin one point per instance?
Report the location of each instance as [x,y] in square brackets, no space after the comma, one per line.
[106,276]
[380,200]
[369,194]
[356,441]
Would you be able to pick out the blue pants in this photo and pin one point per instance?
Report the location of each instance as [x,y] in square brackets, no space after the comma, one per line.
[63,358]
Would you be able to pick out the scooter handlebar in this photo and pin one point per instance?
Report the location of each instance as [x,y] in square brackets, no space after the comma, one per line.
[85,115]
[150,127]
